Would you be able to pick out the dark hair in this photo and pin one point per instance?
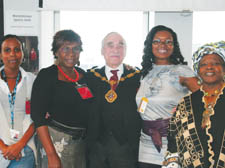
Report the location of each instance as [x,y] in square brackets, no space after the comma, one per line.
[8,36]
[148,58]
[63,36]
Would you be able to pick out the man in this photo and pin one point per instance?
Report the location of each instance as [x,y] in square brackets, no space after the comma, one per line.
[114,126]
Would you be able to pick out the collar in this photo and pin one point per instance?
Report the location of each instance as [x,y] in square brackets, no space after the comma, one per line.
[3,85]
[109,74]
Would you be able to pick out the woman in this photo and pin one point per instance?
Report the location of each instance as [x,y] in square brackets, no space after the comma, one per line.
[160,91]
[16,128]
[196,135]
[59,105]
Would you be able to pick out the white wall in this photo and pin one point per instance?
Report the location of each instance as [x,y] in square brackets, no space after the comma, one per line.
[141,5]
[46,17]
[30,5]
[47,28]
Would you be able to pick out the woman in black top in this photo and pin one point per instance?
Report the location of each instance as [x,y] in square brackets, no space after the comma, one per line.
[59,105]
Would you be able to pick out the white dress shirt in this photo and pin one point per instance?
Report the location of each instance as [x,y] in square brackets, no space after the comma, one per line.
[109,74]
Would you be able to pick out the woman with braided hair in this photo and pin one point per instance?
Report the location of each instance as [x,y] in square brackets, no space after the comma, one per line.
[166,78]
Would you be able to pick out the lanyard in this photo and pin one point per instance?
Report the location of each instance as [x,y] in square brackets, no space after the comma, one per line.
[12,97]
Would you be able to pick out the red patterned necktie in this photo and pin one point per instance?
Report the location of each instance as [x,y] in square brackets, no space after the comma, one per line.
[114,78]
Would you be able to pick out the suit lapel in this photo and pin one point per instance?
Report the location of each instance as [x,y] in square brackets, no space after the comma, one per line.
[125,71]
[105,85]
[102,71]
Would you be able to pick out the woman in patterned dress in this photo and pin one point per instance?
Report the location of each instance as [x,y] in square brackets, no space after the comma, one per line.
[196,137]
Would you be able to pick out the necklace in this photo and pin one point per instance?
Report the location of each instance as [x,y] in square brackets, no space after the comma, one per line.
[67,77]
[212,94]
[111,95]
[4,77]
[209,101]
[112,82]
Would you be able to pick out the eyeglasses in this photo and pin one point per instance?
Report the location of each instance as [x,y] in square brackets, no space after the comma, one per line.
[67,50]
[167,42]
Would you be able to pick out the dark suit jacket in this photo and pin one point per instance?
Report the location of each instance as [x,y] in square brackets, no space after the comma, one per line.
[121,116]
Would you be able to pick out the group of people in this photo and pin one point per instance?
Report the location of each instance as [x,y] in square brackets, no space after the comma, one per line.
[164,115]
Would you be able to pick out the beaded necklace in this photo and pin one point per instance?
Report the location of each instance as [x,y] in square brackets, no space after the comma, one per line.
[67,77]
[209,101]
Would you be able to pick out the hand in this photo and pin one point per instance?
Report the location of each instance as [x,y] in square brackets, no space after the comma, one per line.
[190,82]
[47,115]
[18,157]
[12,152]
[128,67]
[174,110]
[54,161]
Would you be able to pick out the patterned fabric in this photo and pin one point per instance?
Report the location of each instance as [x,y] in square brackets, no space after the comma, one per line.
[211,48]
[72,152]
[188,143]
[187,136]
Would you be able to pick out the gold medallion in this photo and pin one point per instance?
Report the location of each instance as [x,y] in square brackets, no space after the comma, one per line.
[111,96]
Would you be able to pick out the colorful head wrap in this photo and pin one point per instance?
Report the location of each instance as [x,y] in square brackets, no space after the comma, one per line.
[212,48]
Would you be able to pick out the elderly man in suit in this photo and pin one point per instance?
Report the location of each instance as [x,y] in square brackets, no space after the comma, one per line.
[114,126]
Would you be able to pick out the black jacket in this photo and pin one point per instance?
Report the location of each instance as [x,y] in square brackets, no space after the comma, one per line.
[121,116]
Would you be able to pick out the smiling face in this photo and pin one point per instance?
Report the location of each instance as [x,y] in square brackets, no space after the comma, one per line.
[211,69]
[68,55]
[162,47]
[114,50]
[12,53]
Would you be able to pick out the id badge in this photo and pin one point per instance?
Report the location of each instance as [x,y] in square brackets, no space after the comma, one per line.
[143,104]
[84,91]
[14,134]
[27,106]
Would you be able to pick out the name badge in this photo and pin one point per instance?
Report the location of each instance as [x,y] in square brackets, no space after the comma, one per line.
[84,91]
[143,104]
[27,106]
[14,134]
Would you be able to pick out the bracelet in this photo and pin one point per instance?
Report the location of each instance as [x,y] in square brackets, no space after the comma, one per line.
[170,160]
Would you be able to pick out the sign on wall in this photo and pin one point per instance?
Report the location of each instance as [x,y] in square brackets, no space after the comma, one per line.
[25,25]
[21,23]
